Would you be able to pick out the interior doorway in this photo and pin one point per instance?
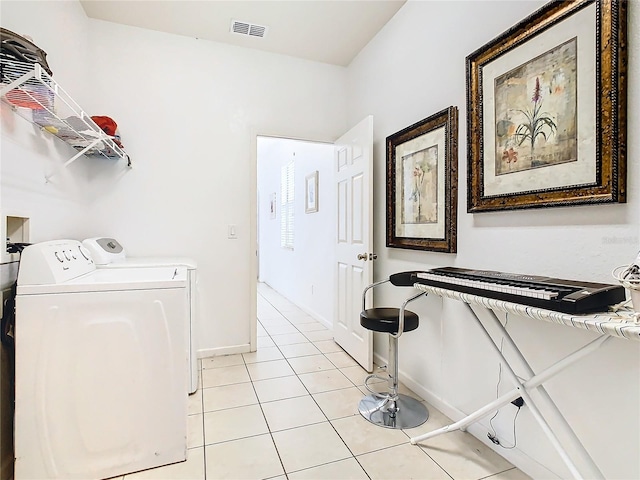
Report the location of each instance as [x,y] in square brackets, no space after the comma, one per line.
[296,222]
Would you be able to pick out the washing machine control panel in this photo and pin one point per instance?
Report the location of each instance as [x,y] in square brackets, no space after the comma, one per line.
[104,250]
[54,262]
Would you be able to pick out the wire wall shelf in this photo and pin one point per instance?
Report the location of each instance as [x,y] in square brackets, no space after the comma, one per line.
[35,96]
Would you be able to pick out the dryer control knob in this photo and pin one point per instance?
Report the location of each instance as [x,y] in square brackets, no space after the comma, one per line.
[84,252]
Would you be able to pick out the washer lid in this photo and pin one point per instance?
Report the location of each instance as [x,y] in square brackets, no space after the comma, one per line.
[107,252]
[117,279]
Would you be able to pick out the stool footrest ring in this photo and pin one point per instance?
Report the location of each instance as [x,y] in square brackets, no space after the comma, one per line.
[373,392]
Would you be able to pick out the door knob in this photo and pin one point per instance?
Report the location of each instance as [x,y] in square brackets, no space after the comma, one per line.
[362,256]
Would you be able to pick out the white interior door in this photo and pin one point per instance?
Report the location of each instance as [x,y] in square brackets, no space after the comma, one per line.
[354,239]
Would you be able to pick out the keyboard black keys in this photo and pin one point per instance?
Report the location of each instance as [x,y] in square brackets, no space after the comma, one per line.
[566,296]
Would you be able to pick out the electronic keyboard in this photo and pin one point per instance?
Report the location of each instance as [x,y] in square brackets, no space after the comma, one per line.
[567,296]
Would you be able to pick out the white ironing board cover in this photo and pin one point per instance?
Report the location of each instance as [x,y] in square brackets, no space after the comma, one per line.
[604,323]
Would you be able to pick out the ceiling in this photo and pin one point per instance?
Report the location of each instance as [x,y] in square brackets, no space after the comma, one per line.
[328,31]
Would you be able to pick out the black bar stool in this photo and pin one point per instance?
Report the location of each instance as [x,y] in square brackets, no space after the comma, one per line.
[391,409]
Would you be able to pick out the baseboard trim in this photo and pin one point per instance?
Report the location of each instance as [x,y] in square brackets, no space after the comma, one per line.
[515,456]
[305,309]
[316,316]
[218,351]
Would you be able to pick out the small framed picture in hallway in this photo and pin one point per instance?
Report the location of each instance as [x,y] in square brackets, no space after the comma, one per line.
[422,184]
[311,193]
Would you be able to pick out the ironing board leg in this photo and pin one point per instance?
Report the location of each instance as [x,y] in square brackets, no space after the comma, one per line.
[522,389]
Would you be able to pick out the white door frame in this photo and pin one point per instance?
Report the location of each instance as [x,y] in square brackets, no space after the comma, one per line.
[253,213]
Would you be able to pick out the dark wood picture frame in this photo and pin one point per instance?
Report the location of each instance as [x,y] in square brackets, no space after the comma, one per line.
[422,184]
[592,174]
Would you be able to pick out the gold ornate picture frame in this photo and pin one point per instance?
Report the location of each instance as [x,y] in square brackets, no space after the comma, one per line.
[546,110]
[422,184]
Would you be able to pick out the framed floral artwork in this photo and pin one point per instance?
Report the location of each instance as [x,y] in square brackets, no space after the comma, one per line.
[422,184]
[546,110]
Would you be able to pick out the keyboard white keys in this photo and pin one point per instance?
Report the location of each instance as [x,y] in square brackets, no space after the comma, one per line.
[568,296]
[496,287]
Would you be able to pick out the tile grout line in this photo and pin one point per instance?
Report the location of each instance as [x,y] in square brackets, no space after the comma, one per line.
[317,405]
[273,441]
[283,316]
[201,392]
[330,422]
[320,408]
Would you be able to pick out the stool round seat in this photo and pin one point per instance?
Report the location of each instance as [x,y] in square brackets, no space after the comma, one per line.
[387,319]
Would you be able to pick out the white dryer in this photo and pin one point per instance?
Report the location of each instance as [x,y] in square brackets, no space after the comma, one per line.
[109,253]
[101,367]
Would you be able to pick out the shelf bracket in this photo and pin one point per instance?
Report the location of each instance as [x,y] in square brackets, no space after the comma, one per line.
[76,156]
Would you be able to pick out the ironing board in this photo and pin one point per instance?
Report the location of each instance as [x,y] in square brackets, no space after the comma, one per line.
[608,325]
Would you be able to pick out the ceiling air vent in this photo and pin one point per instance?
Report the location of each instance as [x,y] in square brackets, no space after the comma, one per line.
[246,28]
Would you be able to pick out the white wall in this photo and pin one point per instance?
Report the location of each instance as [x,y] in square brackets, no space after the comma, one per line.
[413,68]
[55,208]
[187,111]
[305,274]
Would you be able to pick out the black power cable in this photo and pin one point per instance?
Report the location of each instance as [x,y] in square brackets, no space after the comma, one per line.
[7,326]
[518,402]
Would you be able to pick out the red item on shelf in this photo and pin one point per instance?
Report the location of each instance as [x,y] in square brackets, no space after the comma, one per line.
[107,124]
[27,99]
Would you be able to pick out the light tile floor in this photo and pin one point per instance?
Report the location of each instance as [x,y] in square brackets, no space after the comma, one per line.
[289,411]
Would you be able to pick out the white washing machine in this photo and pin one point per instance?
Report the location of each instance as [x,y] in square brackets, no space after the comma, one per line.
[101,366]
[108,253]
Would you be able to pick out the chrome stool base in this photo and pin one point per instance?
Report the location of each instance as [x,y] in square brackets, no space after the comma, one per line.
[405,412]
